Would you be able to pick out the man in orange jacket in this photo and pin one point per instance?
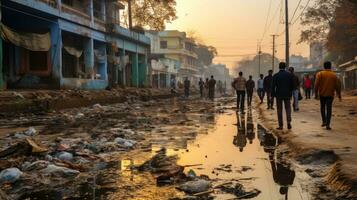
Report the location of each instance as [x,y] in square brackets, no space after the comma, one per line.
[325,86]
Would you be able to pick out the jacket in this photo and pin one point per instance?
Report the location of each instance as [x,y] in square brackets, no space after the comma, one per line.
[268,80]
[296,82]
[283,85]
[250,85]
[239,84]
[327,83]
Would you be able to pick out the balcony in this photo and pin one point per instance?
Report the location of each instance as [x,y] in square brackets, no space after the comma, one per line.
[131,34]
[51,3]
[75,11]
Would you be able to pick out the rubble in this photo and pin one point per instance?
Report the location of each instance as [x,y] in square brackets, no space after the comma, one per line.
[10,175]
[239,191]
[196,186]
[55,170]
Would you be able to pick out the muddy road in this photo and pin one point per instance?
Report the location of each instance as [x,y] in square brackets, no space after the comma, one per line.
[99,153]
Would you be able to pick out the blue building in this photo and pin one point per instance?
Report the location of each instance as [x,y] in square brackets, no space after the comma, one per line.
[69,44]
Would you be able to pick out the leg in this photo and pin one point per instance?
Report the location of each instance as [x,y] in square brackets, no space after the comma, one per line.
[287,105]
[279,105]
[323,109]
[329,102]
[306,93]
[242,101]
[238,99]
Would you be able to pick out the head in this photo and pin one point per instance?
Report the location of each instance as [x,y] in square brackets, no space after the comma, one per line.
[261,76]
[200,79]
[327,65]
[186,78]
[206,79]
[307,76]
[283,190]
[291,69]
[282,65]
[211,77]
[250,77]
[240,74]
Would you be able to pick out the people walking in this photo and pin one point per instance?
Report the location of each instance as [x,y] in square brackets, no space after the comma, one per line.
[239,84]
[267,84]
[326,84]
[211,88]
[260,85]
[307,87]
[296,90]
[206,88]
[250,85]
[201,84]
[282,88]
[186,85]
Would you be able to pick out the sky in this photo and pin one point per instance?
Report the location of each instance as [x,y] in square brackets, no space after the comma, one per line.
[234,27]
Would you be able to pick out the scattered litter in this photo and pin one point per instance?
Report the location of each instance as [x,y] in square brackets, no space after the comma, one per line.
[59,171]
[65,156]
[124,142]
[239,191]
[196,186]
[10,175]
[37,165]
[30,131]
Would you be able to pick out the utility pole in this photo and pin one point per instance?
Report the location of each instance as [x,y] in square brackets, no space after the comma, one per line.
[287,54]
[130,16]
[273,55]
[259,54]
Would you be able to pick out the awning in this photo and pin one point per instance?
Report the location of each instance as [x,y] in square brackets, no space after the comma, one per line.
[73,51]
[30,41]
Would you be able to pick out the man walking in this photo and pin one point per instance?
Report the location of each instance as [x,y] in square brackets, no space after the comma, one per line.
[201,84]
[186,85]
[250,85]
[307,87]
[211,88]
[239,84]
[326,84]
[282,88]
[296,90]
[260,90]
[268,81]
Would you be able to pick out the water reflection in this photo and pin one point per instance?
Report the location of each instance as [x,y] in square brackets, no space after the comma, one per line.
[282,173]
[240,140]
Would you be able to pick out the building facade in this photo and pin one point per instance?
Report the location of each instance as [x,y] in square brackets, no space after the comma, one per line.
[69,44]
[349,74]
[175,45]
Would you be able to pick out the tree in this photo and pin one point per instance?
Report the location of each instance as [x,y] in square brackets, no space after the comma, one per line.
[151,14]
[205,54]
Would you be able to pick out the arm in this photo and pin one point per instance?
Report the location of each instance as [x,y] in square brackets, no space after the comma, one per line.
[338,88]
[317,84]
[273,86]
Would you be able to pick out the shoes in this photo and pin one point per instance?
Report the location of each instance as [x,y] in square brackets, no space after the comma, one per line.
[272,108]
[289,126]
[328,127]
[280,128]
[323,125]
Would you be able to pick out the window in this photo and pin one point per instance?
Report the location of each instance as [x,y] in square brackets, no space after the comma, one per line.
[163,44]
[37,60]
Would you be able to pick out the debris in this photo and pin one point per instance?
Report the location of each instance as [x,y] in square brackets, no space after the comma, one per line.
[10,175]
[59,171]
[124,142]
[30,131]
[26,147]
[35,147]
[191,174]
[65,156]
[37,165]
[238,190]
[196,186]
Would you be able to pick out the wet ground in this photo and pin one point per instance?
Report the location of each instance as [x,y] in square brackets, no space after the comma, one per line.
[210,139]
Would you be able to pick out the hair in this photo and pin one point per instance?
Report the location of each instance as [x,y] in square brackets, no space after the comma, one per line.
[212,76]
[250,76]
[282,65]
[240,73]
[291,69]
[327,65]
[270,71]
[261,75]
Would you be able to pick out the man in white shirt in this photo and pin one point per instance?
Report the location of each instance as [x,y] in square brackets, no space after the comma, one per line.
[260,90]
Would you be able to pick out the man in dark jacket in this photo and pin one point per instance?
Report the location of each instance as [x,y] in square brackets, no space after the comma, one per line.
[250,85]
[187,85]
[282,88]
[268,80]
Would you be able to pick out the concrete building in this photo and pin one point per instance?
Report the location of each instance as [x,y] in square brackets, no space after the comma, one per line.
[69,44]
[349,74]
[176,46]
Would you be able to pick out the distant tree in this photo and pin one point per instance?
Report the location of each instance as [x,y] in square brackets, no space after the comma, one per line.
[205,54]
[151,14]
[250,66]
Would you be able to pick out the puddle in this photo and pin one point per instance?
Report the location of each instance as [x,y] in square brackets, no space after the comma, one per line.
[224,147]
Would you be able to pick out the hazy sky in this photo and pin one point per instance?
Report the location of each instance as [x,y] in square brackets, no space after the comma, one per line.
[235,26]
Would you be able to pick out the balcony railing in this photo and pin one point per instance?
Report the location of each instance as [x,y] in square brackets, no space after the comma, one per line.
[75,11]
[51,3]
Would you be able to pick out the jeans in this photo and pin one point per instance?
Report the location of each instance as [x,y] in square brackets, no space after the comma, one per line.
[249,97]
[201,91]
[279,105]
[261,94]
[326,109]
[308,93]
[187,92]
[296,99]
[270,100]
[240,100]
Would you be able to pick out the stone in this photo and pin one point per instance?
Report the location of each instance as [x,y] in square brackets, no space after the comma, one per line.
[10,175]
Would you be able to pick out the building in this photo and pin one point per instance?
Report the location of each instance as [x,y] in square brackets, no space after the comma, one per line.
[349,74]
[299,62]
[175,45]
[69,44]
[317,54]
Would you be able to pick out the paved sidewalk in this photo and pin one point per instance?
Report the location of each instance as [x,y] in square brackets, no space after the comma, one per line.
[307,135]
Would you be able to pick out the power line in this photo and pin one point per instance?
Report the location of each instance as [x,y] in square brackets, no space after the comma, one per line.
[266,20]
[297,7]
[302,12]
[271,21]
